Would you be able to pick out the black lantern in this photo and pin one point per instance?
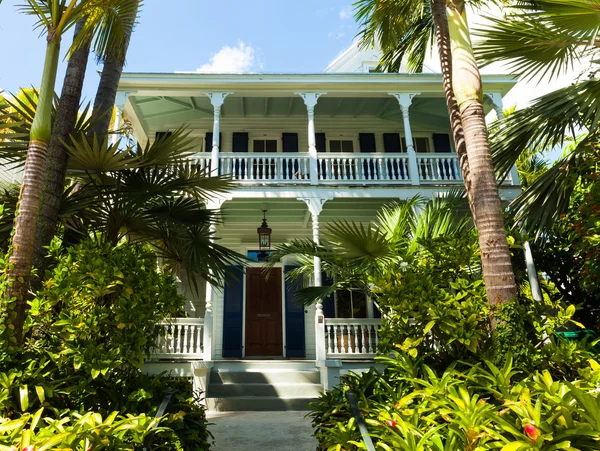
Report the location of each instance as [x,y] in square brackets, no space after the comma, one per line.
[264,234]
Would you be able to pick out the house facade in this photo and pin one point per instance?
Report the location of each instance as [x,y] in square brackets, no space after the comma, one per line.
[304,150]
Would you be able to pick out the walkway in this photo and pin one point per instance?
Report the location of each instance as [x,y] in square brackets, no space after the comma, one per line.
[261,431]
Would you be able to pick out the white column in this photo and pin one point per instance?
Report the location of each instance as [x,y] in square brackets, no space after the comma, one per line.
[496,99]
[217,99]
[405,100]
[310,100]
[213,204]
[315,207]
[119,105]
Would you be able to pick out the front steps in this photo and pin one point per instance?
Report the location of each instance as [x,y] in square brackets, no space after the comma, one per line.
[262,385]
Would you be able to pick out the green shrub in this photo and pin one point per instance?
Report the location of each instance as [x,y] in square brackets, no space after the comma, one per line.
[100,308]
[412,407]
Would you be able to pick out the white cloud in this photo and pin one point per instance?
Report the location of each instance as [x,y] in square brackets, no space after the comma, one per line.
[346,13]
[231,60]
[334,35]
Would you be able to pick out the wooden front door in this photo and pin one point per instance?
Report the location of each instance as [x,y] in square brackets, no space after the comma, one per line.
[264,333]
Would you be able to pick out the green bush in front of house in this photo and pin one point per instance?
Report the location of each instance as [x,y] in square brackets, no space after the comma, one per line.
[76,382]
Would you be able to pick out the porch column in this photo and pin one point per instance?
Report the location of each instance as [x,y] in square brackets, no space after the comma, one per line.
[217,99]
[315,206]
[310,100]
[496,99]
[119,105]
[213,204]
[405,100]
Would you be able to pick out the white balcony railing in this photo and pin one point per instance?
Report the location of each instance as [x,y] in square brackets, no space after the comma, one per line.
[339,168]
[272,168]
[182,338]
[351,167]
[438,168]
[351,338]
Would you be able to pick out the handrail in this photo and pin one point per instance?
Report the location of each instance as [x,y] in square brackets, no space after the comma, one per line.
[360,421]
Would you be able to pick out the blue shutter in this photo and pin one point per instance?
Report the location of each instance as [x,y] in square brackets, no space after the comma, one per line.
[391,144]
[208,141]
[366,142]
[232,312]
[289,143]
[321,142]
[328,303]
[294,319]
[441,143]
[240,142]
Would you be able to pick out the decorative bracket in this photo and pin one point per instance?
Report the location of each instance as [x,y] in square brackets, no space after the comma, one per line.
[315,204]
[404,99]
[217,98]
[310,98]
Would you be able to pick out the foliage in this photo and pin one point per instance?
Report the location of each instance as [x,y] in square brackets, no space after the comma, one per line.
[88,333]
[411,406]
[93,304]
[352,254]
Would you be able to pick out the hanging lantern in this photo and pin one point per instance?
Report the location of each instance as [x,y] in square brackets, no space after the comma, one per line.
[264,234]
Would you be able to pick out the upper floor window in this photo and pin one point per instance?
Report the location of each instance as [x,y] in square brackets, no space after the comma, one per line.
[264,145]
[341,145]
[421,144]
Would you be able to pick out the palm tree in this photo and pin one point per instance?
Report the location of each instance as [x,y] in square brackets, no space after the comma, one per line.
[150,194]
[526,38]
[353,254]
[111,74]
[54,18]
[405,28]
[117,20]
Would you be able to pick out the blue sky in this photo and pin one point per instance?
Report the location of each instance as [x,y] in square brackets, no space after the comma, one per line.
[187,35]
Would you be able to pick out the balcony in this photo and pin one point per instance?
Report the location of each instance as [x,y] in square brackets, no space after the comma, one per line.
[337,168]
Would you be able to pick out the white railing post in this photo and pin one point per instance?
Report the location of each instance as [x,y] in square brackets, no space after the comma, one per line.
[351,338]
[217,99]
[315,207]
[310,100]
[405,100]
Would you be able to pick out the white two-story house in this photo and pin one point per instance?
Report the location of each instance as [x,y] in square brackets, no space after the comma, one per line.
[304,149]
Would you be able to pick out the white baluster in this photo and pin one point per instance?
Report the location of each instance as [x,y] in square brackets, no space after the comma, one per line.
[330,332]
[378,162]
[364,334]
[376,339]
[184,346]
[335,339]
[356,335]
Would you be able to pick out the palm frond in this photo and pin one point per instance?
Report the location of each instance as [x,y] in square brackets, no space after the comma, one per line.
[361,244]
[541,205]
[96,157]
[546,124]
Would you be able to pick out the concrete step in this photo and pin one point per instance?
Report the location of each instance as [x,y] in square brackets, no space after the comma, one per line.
[257,403]
[265,365]
[265,390]
[264,377]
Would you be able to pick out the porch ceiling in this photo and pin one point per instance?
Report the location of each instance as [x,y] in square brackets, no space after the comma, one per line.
[167,112]
[289,218]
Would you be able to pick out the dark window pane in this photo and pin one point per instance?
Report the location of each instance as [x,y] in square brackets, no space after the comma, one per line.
[347,146]
[259,145]
[421,144]
[271,145]
[335,146]
[351,304]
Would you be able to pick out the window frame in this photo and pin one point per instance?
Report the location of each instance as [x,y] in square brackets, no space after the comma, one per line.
[342,137]
[265,137]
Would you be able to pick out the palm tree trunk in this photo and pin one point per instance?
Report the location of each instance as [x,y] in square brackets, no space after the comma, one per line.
[498,273]
[107,89]
[56,162]
[28,208]
[442,34]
